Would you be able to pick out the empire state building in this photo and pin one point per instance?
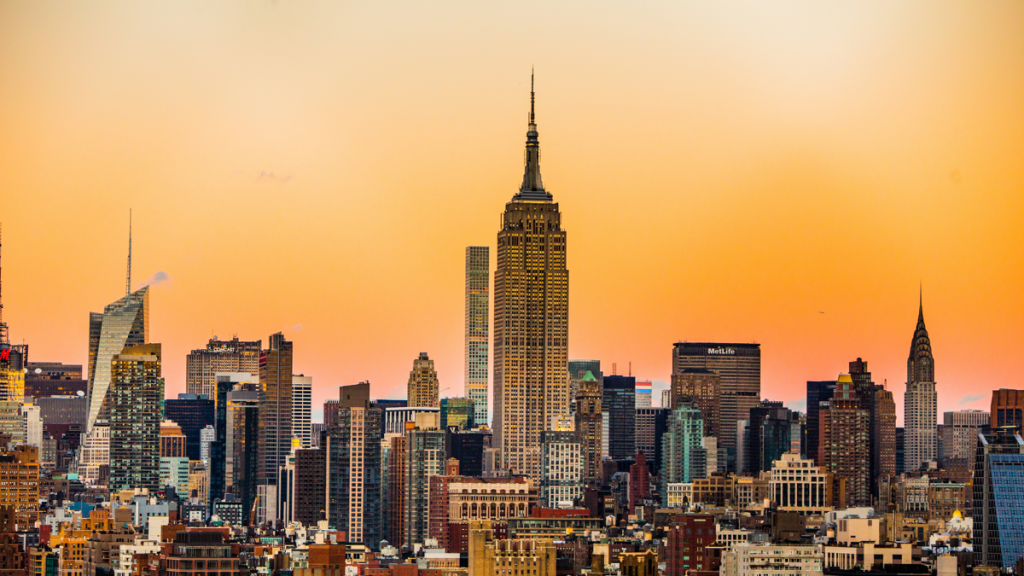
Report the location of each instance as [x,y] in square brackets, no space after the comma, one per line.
[531,318]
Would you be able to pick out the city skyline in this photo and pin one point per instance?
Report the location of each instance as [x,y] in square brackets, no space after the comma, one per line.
[944,213]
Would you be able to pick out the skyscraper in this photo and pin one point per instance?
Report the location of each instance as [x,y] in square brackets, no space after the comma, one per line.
[818,391]
[998,490]
[13,359]
[531,318]
[618,400]
[459,412]
[423,385]
[136,390]
[920,405]
[579,368]
[203,364]
[739,368]
[478,282]
[242,436]
[354,466]
[682,459]
[302,409]
[704,387]
[561,469]
[192,413]
[275,418]
[589,425]
[123,324]
[844,445]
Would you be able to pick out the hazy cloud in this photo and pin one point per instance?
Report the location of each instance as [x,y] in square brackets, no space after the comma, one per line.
[971,398]
[271,177]
[798,405]
[157,279]
[297,327]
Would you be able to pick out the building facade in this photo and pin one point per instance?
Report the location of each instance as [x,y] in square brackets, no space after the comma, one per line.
[478,296]
[683,458]
[136,390]
[423,386]
[920,403]
[220,356]
[1007,408]
[561,480]
[589,426]
[302,409]
[739,369]
[275,415]
[618,400]
[798,485]
[998,492]
[531,318]
[844,448]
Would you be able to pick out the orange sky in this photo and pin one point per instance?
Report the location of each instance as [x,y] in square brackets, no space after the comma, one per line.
[726,171]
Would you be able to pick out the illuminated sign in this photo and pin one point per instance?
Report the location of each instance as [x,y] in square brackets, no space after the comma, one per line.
[721,351]
[5,354]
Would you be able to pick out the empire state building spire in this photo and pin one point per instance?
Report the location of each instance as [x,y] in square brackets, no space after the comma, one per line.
[533,186]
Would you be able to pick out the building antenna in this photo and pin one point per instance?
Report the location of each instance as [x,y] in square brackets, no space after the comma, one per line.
[128,282]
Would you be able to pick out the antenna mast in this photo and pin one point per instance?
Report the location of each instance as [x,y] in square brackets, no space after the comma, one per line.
[128,282]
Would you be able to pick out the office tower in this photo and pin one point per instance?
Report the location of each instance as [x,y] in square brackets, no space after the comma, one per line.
[94,462]
[45,379]
[844,447]
[798,485]
[62,409]
[704,387]
[302,409]
[11,422]
[577,370]
[192,413]
[19,475]
[217,448]
[398,459]
[207,436]
[531,318]
[425,458]
[920,405]
[220,356]
[173,459]
[121,325]
[817,392]
[307,500]
[354,466]
[460,412]
[423,385]
[1007,408]
[739,369]
[241,452]
[467,446]
[998,491]
[883,437]
[33,422]
[561,480]
[478,281]
[644,394]
[682,456]
[770,429]
[960,433]
[589,426]
[650,427]
[136,390]
[618,400]
[275,415]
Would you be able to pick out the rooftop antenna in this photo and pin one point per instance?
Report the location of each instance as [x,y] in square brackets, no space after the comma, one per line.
[128,282]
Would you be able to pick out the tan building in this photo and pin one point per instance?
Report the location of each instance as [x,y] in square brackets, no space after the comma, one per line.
[589,426]
[488,557]
[704,387]
[19,482]
[717,490]
[867,556]
[490,498]
[224,356]
[172,440]
[531,319]
[423,385]
[797,485]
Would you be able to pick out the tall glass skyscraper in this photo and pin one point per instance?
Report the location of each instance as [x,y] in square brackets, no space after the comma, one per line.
[123,324]
[478,266]
[998,492]
[531,319]
[135,394]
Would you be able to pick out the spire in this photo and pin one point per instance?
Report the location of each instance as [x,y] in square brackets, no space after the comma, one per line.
[128,282]
[920,303]
[533,186]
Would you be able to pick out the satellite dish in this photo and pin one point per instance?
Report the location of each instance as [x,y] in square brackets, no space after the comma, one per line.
[39,370]
[80,393]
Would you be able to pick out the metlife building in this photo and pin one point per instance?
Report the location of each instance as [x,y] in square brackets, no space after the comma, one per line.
[739,368]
